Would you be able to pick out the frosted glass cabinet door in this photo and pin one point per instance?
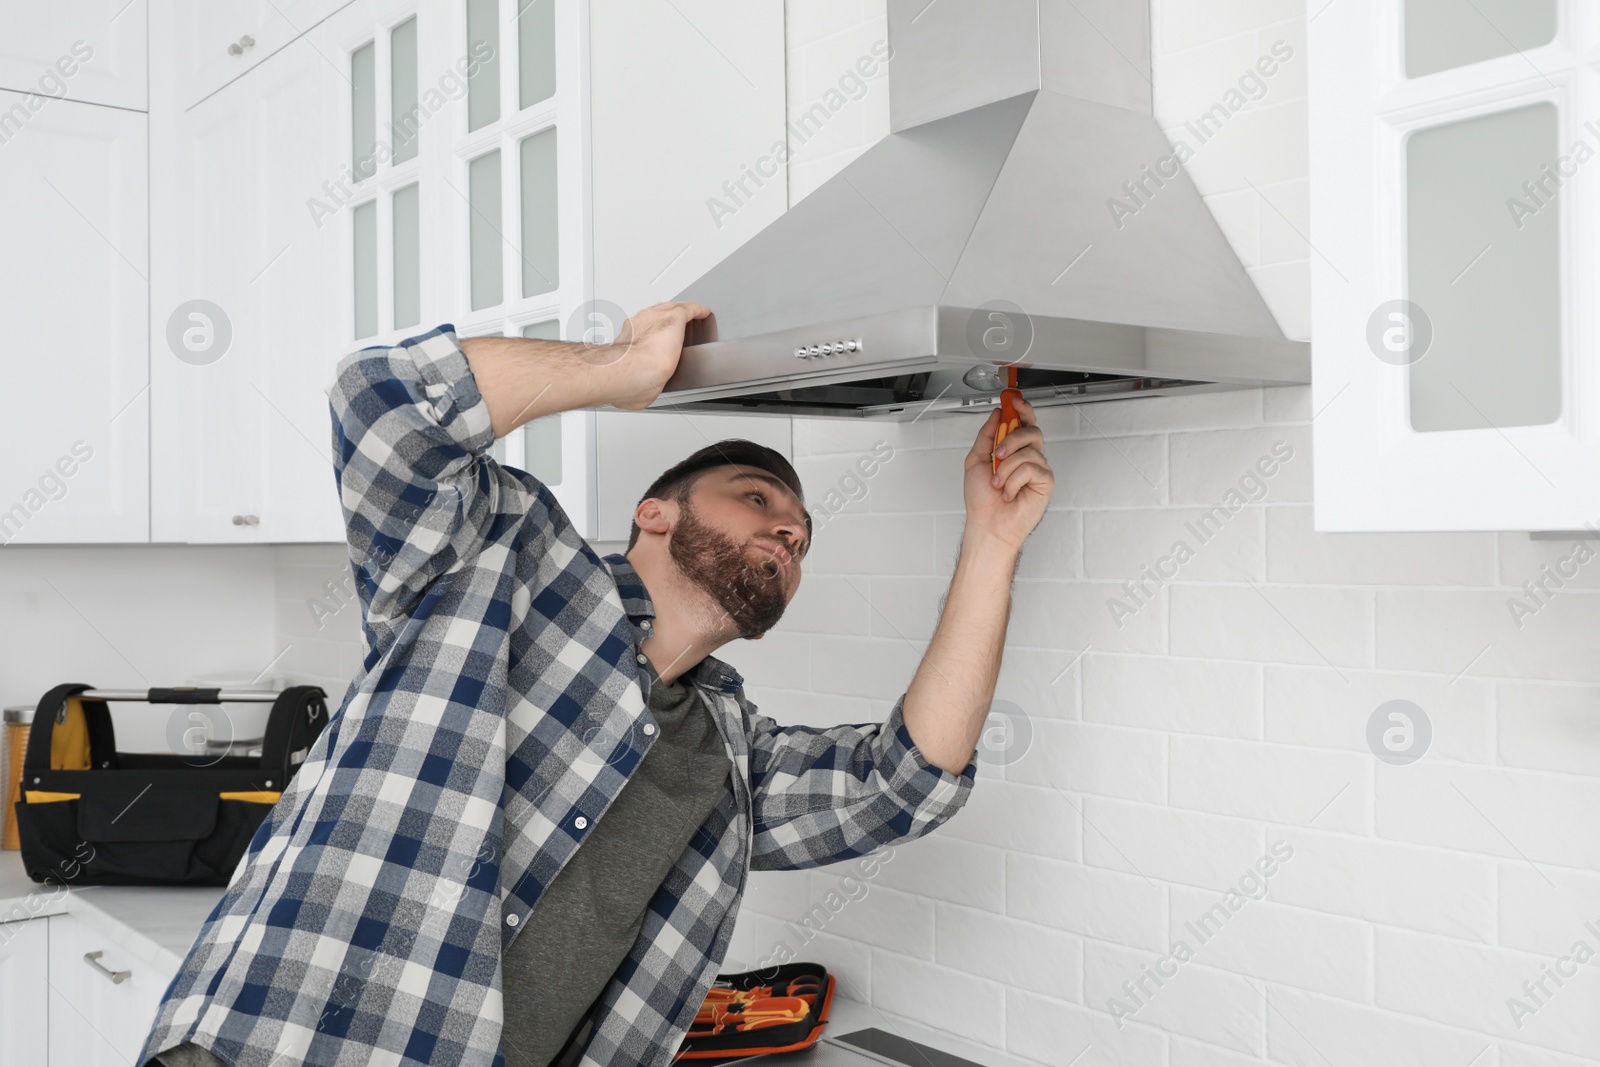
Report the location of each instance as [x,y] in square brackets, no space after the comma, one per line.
[1444,34]
[1488,280]
[483,86]
[1455,219]
[484,224]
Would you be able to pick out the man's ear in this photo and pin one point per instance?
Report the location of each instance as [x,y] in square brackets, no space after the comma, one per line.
[651,516]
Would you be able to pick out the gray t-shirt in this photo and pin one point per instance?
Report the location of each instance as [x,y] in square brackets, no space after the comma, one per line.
[590,915]
[588,918]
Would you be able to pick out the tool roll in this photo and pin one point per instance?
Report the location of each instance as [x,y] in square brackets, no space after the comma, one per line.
[775,1009]
[90,815]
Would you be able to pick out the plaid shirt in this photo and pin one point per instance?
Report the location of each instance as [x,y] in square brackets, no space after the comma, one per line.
[499,711]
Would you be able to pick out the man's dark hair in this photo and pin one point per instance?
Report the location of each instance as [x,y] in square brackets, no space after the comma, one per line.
[679,480]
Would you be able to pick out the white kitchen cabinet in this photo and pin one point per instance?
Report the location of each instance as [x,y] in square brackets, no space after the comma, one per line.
[87,50]
[103,1000]
[1455,218]
[73,296]
[218,41]
[297,215]
[24,993]
[250,307]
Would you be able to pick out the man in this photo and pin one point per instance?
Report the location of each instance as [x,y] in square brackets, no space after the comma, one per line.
[524,837]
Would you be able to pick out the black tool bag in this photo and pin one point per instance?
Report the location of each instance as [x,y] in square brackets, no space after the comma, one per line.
[90,815]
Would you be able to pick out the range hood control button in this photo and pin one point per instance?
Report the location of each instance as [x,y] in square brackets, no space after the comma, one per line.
[831,348]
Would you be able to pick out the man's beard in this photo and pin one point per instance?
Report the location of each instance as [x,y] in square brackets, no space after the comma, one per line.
[750,593]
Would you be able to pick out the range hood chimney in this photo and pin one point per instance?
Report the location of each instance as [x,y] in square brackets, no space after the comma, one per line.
[982,231]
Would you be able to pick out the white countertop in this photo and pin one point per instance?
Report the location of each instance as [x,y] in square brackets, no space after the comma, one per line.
[158,924]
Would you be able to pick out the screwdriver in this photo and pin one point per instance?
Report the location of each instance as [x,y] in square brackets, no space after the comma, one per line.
[1008,415]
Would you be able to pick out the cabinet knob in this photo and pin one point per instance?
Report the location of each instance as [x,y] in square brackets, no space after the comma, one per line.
[247,520]
[117,977]
[238,47]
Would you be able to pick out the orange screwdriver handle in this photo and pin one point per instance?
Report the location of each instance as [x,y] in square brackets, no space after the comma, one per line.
[1008,415]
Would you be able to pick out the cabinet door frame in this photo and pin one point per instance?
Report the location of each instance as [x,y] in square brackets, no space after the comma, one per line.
[97,1022]
[1373,471]
[114,72]
[204,62]
[24,998]
[82,348]
[270,263]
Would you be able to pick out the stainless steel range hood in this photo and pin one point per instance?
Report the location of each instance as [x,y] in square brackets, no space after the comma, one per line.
[1026,208]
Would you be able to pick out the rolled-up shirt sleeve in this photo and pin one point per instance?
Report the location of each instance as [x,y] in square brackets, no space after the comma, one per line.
[823,795]
[410,433]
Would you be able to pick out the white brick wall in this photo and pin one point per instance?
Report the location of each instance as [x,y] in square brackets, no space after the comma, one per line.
[133,616]
[1228,713]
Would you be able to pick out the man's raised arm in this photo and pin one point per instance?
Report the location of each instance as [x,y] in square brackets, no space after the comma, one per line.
[523,378]
[950,694]
[412,425]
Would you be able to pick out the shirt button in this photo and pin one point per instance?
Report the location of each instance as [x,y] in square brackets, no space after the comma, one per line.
[580,822]
[512,920]
[645,624]
[649,728]
[640,657]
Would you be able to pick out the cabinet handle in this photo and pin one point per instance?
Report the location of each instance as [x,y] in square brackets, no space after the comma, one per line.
[247,520]
[117,977]
[238,47]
